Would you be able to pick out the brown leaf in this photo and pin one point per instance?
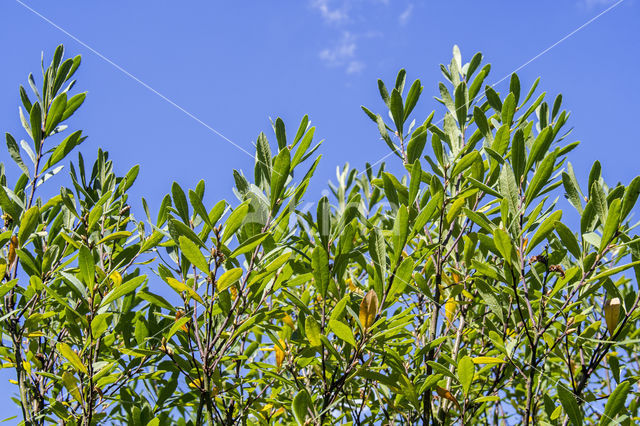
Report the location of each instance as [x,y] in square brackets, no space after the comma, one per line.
[612,313]
[368,309]
[444,393]
[12,250]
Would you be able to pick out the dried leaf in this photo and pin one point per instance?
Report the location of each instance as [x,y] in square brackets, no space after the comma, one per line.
[444,393]
[612,314]
[368,309]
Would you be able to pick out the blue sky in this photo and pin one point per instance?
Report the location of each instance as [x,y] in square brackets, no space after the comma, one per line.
[232,65]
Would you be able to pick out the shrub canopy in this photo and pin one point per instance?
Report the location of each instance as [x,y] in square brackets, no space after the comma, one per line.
[454,292]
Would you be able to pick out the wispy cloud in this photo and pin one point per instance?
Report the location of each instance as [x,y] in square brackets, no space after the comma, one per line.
[330,13]
[595,3]
[343,54]
[406,15]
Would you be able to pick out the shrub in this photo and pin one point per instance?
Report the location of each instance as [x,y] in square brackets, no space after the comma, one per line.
[454,292]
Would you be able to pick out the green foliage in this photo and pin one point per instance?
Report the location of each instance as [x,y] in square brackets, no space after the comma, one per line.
[452,293]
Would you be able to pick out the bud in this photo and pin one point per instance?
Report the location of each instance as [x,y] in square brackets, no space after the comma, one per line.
[612,313]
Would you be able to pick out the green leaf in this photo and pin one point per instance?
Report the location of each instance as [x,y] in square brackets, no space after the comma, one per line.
[412,98]
[508,109]
[229,278]
[300,405]
[312,330]
[14,152]
[6,287]
[279,175]
[612,223]
[540,147]
[570,405]
[28,224]
[544,229]
[152,241]
[94,216]
[397,110]
[400,232]
[377,250]
[192,252]
[489,296]
[541,177]
[616,403]
[281,134]
[503,243]
[385,136]
[613,271]
[35,118]
[198,207]
[599,201]
[87,266]
[572,191]
[568,238]
[320,266]
[461,105]
[484,188]
[263,159]
[73,358]
[518,155]
[72,105]
[234,221]
[176,326]
[416,144]
[249,244]
[180,202]
[54,115]
[466,370]
[64,148]
[630,197]
[122,289]
[343,331]
[465,162]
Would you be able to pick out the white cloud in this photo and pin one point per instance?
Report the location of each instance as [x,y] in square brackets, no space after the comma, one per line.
[344,16]
[595,3]
[330,14]
[355,67]
[406,15]
[343,53]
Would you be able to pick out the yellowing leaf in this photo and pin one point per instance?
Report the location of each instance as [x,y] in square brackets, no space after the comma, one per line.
[312,330]
[73,358]
[279,353]
[488,360]
[195,384]
[181,287]
[450,309]
[71,383]
[229,278]
[289,321]
[368,309]
[116,278]
[612,314]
